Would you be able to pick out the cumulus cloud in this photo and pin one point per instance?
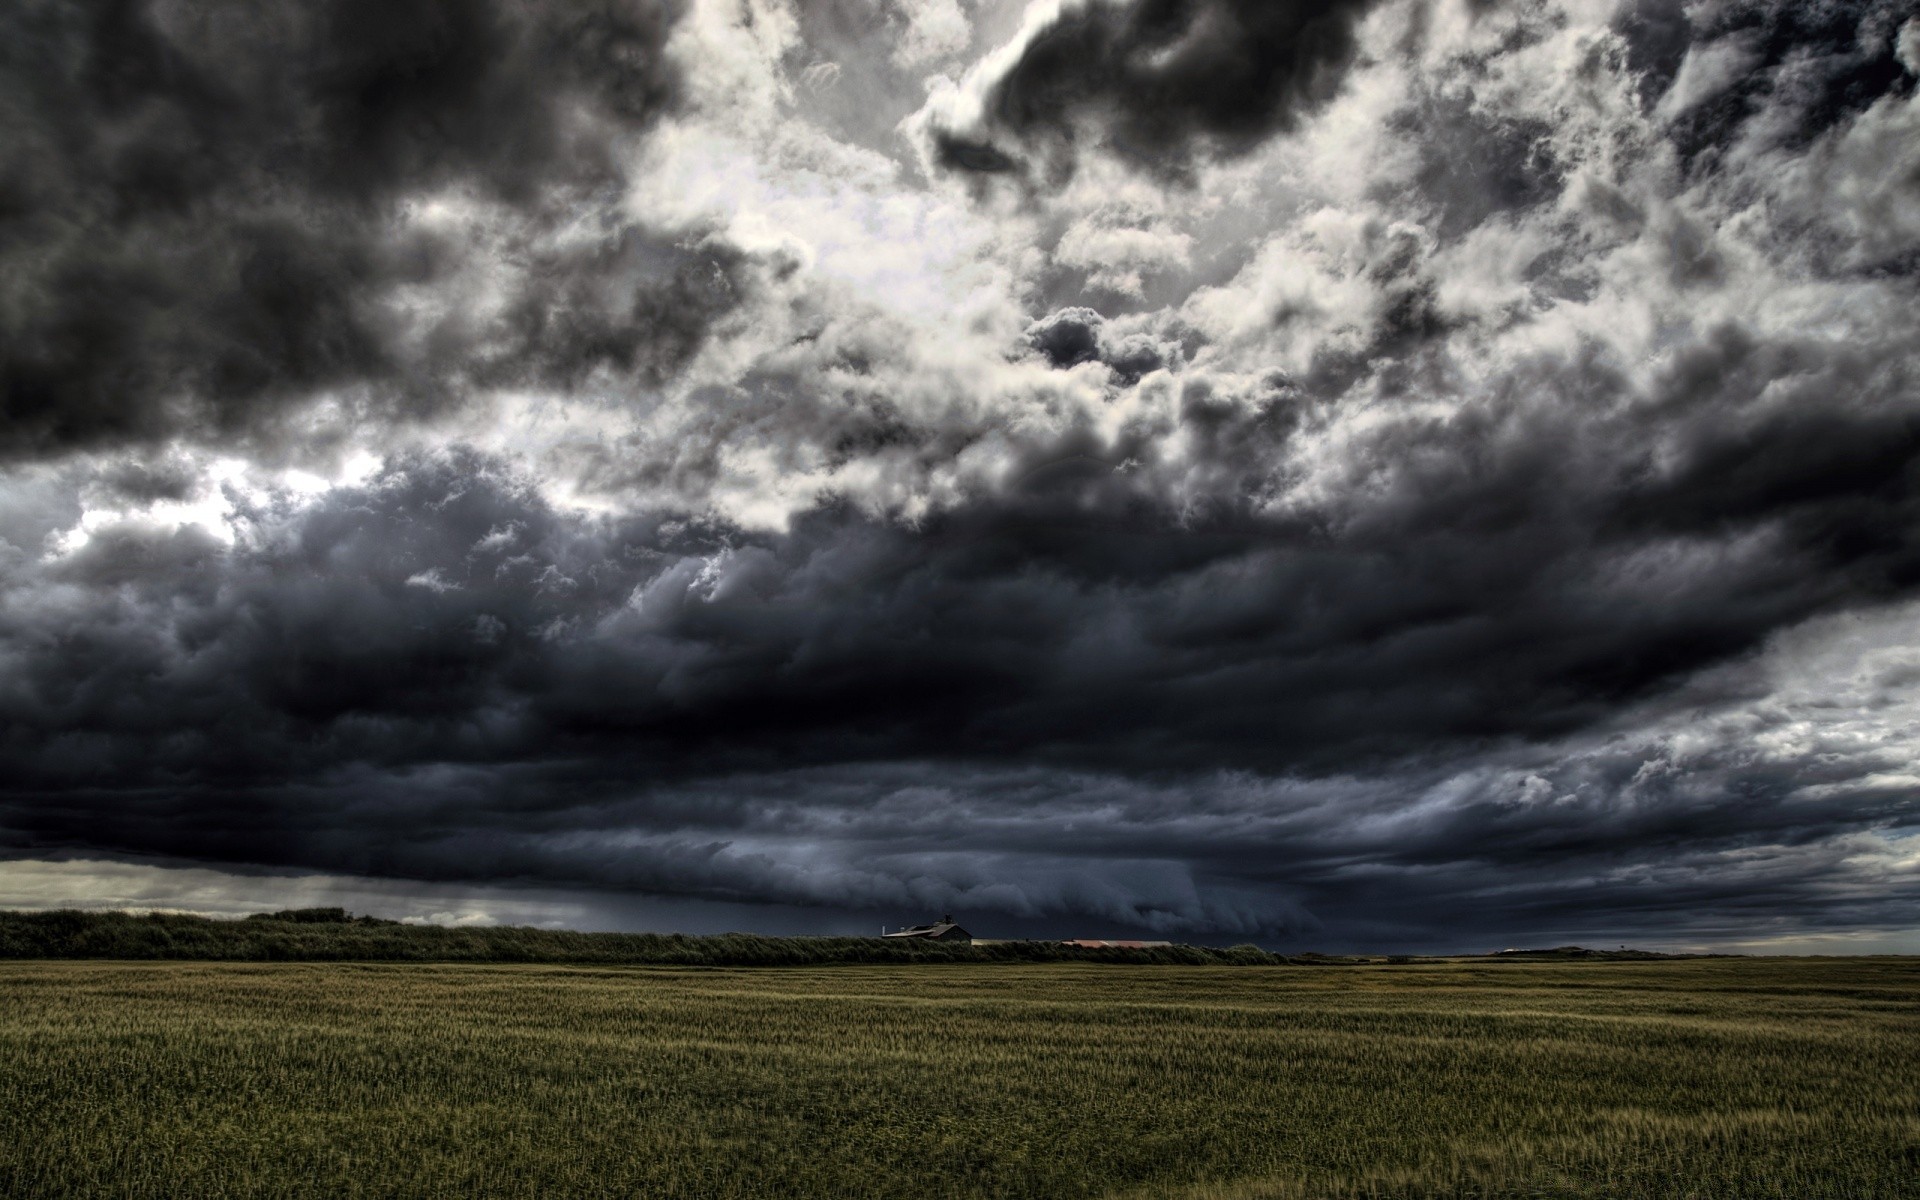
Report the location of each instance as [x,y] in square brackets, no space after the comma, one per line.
[1387,473]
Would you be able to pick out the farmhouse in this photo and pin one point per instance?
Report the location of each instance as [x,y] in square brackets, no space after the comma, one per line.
[943,930]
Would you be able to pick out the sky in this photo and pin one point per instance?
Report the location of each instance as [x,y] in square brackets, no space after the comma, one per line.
[1413,475]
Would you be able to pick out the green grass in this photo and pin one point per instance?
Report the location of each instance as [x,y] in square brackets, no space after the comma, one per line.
[1707,1078]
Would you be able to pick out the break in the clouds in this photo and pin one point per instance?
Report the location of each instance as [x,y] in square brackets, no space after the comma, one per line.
[1423,473]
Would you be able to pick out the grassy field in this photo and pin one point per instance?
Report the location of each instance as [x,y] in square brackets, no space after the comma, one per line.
[1708,1078]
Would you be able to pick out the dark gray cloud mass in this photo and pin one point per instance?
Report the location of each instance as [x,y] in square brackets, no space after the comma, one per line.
[1511,529]
[1159,80]
[199,209]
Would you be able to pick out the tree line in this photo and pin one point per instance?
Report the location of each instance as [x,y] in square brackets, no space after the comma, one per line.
[335,935]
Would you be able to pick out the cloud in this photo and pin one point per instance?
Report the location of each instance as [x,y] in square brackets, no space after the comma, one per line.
[1465,489]
[209,222]
[684,710]
[1156,83]
[1075,335]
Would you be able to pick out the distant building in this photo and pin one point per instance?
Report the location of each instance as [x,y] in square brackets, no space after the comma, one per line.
[943,930]
[1101,943]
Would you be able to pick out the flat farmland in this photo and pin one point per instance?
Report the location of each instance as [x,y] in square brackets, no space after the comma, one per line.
[1697,1078]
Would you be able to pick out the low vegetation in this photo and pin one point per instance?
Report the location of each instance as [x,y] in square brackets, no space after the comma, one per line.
[1720,1079]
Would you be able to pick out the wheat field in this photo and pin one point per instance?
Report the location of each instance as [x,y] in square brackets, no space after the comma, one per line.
[1697,1079]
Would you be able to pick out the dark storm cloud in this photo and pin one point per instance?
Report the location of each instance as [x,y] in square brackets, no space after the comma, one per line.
[438,675]
[1160,81]
[200,208]
[1470,620]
